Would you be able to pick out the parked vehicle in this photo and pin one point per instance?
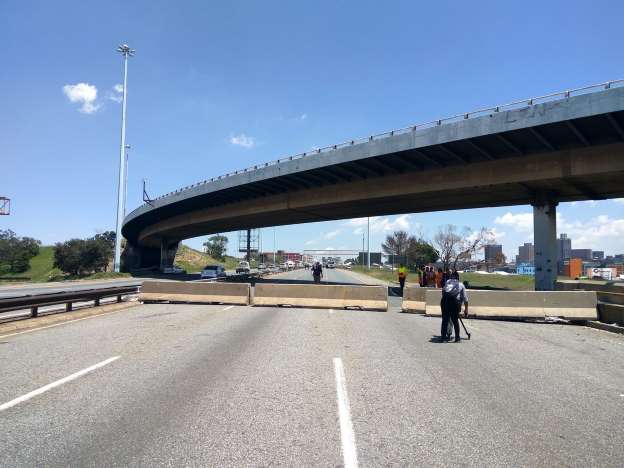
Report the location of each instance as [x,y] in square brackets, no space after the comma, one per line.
[262,266]
[213,272]
[290,265]
[331,264]
[243,267]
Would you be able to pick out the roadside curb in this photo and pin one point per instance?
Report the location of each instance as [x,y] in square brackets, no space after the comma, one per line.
[606,327]
[58,318]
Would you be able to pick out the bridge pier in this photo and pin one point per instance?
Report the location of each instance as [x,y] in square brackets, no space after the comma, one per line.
[168,251]
[545,239]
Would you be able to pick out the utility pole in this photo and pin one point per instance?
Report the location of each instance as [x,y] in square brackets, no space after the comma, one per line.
[126,51]
[368,241]
[273,245]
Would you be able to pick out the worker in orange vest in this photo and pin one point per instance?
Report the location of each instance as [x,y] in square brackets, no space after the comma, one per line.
[402,276]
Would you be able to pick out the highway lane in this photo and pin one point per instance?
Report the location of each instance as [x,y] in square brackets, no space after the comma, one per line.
[214,385]
[330,275]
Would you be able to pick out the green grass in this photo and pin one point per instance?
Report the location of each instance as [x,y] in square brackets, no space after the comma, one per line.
[193,261]
[40,270]
[475,281]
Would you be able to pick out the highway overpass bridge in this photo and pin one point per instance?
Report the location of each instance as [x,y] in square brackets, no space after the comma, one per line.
[562,147]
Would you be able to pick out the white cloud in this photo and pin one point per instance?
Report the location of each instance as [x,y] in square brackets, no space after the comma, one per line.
[380,224]
[303,116]
[599,233]
[521,222]
[243,140]
[619,200]
[117,93]
[311,242]
[83,93]
[332,234]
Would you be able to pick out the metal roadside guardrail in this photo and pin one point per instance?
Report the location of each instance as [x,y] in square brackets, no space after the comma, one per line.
[34,301]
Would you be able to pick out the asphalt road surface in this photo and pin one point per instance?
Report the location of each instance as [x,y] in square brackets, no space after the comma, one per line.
[214,385]
[330,275]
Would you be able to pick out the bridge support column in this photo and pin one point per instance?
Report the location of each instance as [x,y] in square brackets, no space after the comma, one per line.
[545,238]
[168,251]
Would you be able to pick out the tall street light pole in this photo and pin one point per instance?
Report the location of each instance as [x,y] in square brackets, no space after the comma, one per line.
[126,51]
[368,241]
[126,181]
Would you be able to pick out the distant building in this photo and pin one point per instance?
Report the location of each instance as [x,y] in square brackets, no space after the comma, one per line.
[618,267]
[564,247]
[583,254]
[493,253]
[526,254]
[572,268]
[598,255]
[525,269]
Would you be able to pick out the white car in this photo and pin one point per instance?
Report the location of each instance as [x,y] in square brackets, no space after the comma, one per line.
[243,267]
[331,264]
[213,272]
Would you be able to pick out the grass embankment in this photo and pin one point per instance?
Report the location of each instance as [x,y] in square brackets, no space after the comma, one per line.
[475,280]
[194,261]
[42,270]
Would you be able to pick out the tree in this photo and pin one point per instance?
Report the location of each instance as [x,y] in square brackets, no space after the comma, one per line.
[68,256]
[16,252]
[396,244]
[455,246]
[500,259]
[216,246]
[420,252]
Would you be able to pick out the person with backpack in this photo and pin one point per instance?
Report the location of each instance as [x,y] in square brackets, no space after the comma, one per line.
[454,294]
[317,272]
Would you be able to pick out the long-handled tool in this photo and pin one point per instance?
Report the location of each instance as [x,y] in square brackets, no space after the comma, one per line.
[465,329]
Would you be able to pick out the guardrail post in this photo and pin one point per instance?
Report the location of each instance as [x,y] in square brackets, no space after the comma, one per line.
[34,311]
[96,302]
[119,298]
[68,307]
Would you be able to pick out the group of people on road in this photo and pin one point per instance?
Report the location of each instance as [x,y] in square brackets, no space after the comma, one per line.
[454,294]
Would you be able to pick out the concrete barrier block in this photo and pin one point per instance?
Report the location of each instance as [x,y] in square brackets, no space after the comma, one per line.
[180,291]
[571,305]
[506,304]
[611,313]
[321,295]
[414,299]
[433,298]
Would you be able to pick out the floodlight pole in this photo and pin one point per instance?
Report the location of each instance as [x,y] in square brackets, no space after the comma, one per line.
[368,241]
[126,52]
[126,181]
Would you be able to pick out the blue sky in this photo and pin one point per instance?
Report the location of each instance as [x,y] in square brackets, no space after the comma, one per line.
[218,86]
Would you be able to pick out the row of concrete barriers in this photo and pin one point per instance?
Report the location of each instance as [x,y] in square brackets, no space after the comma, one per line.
[610,296]
[570,305]
[266,294]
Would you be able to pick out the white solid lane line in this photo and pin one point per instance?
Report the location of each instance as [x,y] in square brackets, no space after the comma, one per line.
[229,307]
[349,450]
[52,385]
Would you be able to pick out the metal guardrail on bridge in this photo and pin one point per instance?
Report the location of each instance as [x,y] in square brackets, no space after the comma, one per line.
[33,302]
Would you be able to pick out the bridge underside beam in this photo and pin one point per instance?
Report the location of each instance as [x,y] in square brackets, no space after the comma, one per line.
[574,174]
